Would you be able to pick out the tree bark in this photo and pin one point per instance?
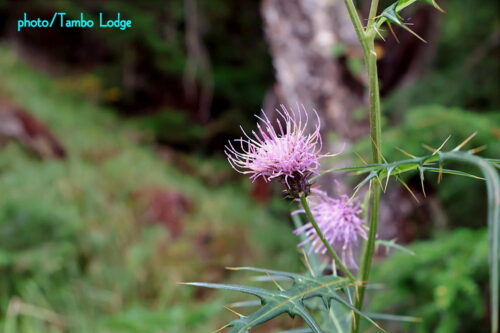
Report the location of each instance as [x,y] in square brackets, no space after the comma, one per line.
[302,35]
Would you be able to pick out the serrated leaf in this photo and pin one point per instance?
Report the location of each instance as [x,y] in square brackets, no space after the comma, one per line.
[298,330]
[389,317]
[261,293]
[291,300]
[452,172]
[244,304]
[391,14]
[288,275]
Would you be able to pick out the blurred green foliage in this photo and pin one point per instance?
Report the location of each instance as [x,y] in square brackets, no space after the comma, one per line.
[76,254]
[145,69]
[444,284]
[464,70]
[171,126]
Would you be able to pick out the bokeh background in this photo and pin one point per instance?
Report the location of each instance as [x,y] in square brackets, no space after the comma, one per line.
[114,186]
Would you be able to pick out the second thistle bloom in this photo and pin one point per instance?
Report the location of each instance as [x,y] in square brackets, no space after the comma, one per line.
[286,152]
[339,220]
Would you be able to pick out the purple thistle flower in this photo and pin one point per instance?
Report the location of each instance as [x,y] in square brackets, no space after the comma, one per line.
[340,223]
[287,153]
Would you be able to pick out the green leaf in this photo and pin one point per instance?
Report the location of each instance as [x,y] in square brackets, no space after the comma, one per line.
[389,317]
[298,330]
[291,300]
[452,172]
[292,276]
[391,14]
[263,294]
[493,192]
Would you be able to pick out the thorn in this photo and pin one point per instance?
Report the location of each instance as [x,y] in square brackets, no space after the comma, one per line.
[378,33]
[413,33]
[233,311]
[440,174]
[393,33]
[442,145]
[378,150]
[361,158]
[434,3]
[307,263]
[429,148]
[408,189]
[275,282]
[389,171]
[477,149]
[421,170]
[220,329]
[379,182]
[406,153]
[370,187]
[457,148]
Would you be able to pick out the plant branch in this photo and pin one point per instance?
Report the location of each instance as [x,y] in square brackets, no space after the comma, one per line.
[370,57]
[331,251]
[373,10]
[358,26]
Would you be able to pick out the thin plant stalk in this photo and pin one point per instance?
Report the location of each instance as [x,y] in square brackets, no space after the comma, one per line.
[367,40]
[375,134]
[331,251]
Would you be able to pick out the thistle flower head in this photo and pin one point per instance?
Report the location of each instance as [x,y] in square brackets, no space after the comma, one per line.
[286,152]
[340,223]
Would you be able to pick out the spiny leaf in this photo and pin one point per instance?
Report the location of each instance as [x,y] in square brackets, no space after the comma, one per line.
[452,172]
[298,330]
[291,300]
[244,304]
[269,278]
[291,276]
[391,14]
[389,317]
[263,294]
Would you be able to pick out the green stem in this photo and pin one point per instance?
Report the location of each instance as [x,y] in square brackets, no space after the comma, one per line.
[373,11]
[331,252]
[375,135]
[493,190]
[356,21]
[370,57]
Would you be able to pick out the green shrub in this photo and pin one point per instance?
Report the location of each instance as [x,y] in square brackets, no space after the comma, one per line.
[445,284]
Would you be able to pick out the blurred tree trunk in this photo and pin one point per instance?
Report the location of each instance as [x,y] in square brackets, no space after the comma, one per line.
[315,55]
[303,35]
